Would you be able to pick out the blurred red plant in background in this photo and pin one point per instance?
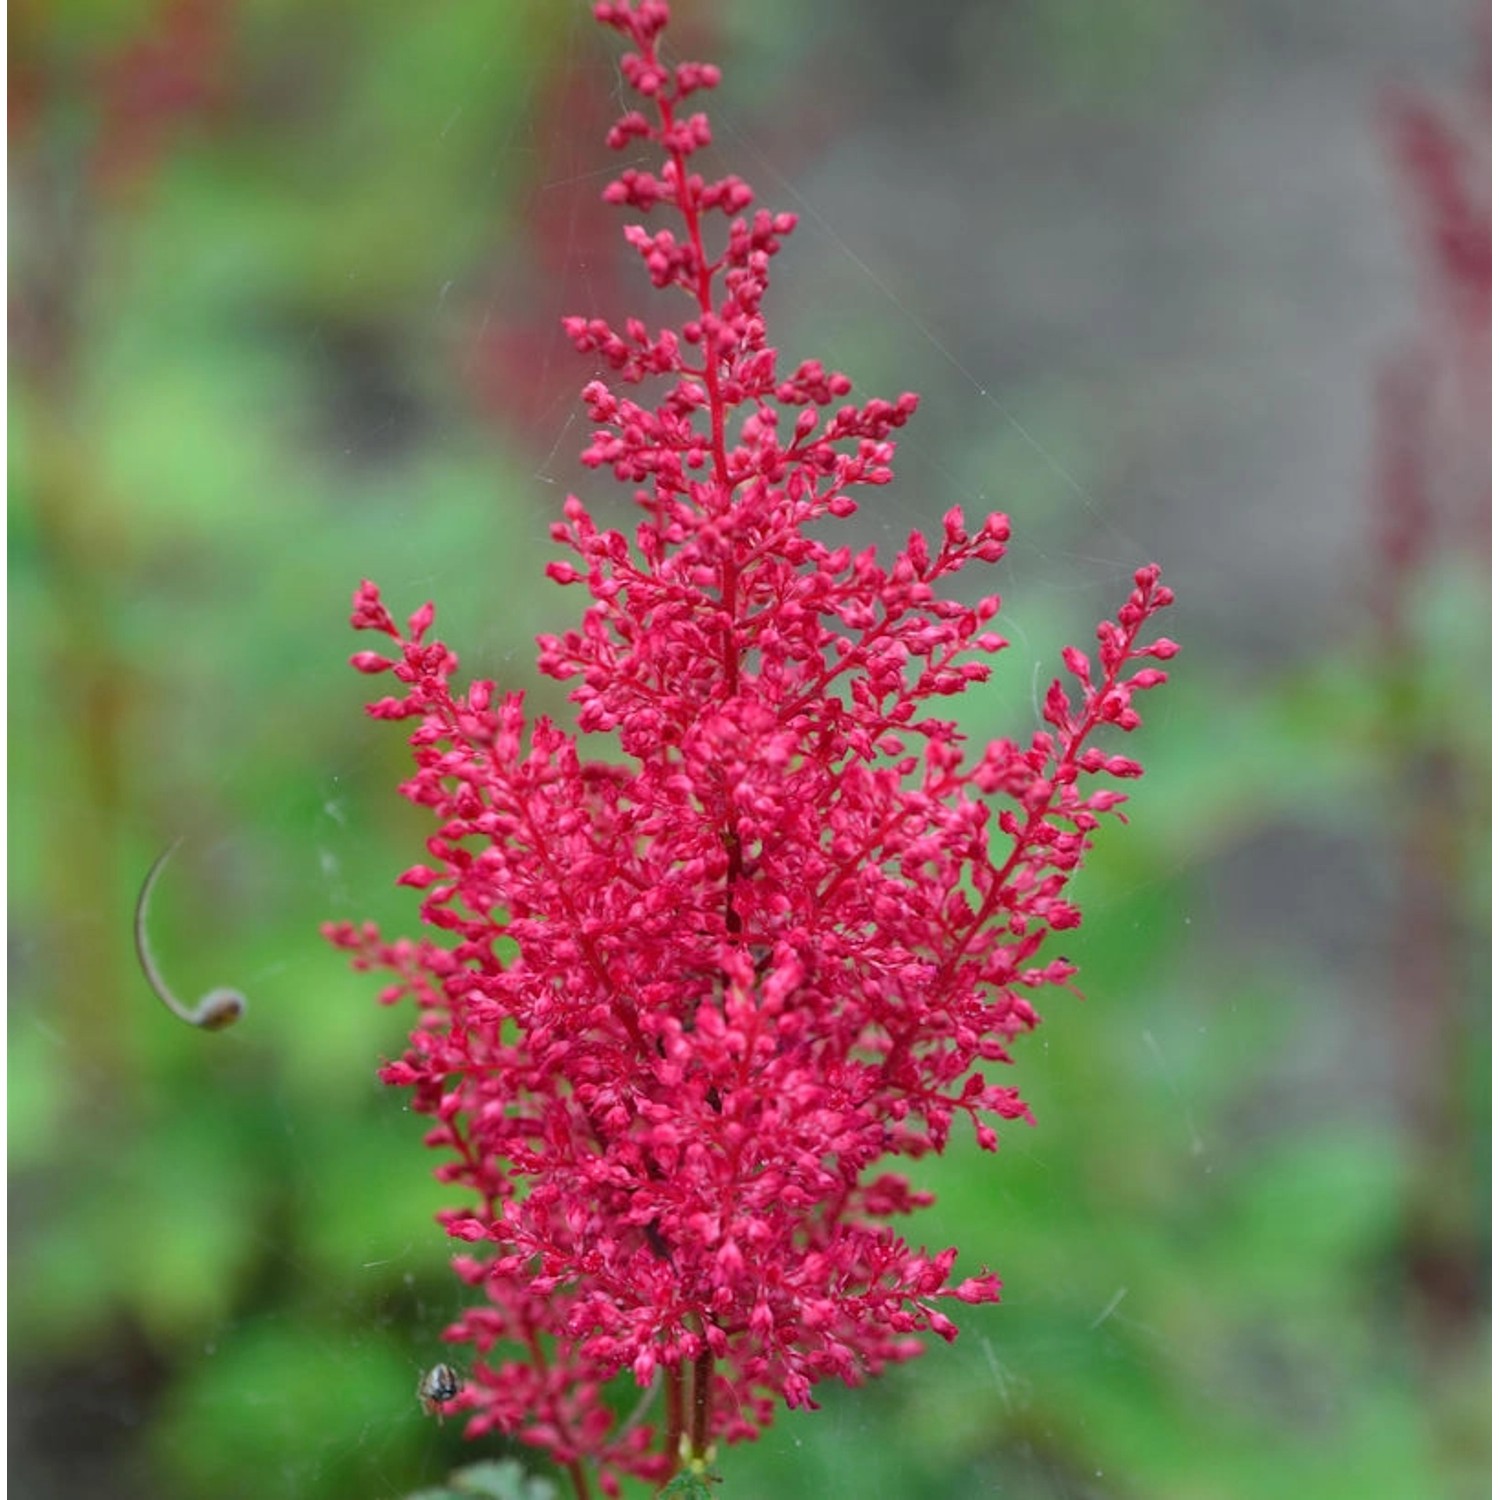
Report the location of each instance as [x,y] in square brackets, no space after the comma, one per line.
[1430,527]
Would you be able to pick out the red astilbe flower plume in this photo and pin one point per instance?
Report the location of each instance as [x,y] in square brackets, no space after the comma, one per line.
[685,1005]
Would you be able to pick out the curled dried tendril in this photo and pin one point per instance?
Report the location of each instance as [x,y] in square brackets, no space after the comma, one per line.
[215,1010]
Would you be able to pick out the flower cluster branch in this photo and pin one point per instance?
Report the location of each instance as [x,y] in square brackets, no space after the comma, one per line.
[686,1002]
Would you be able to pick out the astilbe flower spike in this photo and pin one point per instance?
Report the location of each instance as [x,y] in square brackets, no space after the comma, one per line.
[681,1008]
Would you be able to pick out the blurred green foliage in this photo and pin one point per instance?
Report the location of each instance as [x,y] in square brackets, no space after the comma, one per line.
[249,370]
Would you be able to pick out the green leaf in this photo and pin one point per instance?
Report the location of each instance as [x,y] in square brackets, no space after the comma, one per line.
[689,1485]
[502,1480]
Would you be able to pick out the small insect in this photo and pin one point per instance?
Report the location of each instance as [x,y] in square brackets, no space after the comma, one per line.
[438,1387]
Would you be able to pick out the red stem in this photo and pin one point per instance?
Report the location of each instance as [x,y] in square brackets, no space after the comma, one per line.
[703,1379]
[673,1437]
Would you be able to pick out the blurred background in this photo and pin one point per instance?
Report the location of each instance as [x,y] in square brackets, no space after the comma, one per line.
[1201,284]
